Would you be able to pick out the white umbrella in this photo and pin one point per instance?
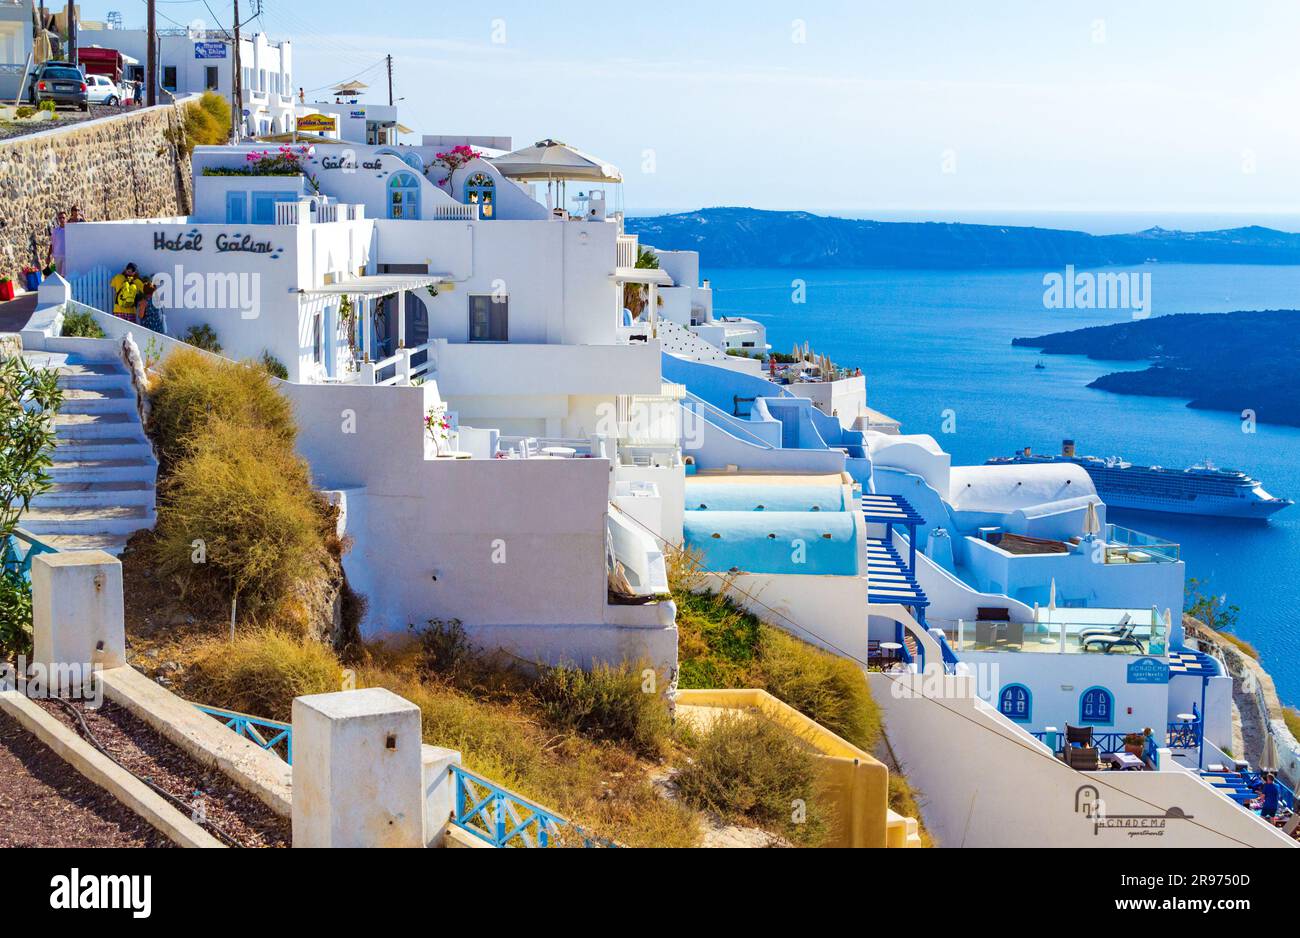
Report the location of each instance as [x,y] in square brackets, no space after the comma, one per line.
[1091,523]
[550,160]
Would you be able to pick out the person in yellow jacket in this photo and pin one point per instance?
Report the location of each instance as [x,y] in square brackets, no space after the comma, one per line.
[129,293]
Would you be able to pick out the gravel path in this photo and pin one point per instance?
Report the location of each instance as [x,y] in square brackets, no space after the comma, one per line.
[44,802]
[145,753]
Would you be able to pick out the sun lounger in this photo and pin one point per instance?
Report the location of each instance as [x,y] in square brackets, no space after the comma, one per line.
[1115,631]
[1107,645]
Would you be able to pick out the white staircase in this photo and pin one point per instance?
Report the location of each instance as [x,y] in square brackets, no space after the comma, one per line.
[104,470]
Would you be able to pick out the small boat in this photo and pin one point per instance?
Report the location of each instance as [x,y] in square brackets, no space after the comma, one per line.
[1039,366]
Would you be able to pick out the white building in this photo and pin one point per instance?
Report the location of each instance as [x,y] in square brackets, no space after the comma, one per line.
[16,24]
[191,62]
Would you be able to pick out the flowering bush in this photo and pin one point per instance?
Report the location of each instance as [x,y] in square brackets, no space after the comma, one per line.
[287,161]
[438,426]
[454,159]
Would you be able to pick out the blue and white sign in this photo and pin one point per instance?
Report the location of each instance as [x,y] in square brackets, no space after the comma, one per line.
[209,50]
[1148,671]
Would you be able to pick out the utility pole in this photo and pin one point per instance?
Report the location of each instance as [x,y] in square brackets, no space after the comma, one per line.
[72,32]
[390,79]
[151,59]
[236,87]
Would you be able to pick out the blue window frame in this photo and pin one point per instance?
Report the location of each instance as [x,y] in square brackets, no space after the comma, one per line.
[1016,703]
[264,205]
[403,196]
[1097,707]
[481,190]
[236,208]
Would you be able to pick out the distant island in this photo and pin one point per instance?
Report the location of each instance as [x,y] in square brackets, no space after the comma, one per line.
[746,237]
[1217,361]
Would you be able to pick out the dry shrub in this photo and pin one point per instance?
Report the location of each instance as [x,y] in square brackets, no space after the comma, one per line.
[748,769]
[194,389]
[260,672]
[605,703]
[244,501]
[829,689]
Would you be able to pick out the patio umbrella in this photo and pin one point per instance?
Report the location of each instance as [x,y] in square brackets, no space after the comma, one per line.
[1091,523]
[1269,759]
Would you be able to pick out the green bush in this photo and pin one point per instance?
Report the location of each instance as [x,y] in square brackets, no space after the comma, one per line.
[237,517]
[260,672]
[82,325]
[15,615]
[203,337]
[193,389]
[605,703]
[24,112]
[274,367]
[47,105]
[748,769]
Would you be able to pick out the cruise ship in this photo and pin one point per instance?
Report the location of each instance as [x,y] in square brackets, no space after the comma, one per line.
[1199,490]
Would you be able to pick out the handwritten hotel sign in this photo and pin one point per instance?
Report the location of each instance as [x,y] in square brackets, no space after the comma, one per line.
[223,243]
[348,164]
[209,50]
[317,123]
[1148,671]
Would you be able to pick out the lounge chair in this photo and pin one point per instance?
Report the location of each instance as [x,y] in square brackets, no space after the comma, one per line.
[1015,634]
[1077,736]
[1109,632]
[984,632]
[1108,644]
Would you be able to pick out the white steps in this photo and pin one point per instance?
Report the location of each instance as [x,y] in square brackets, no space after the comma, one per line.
[103,467]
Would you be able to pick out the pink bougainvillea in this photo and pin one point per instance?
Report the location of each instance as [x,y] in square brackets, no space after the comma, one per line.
[454,159]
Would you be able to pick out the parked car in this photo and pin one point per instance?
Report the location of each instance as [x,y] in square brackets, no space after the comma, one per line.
[60,82]
[101,90]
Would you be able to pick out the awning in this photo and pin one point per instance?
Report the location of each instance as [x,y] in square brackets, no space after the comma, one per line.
[642,275]
[550,159]
[379,285]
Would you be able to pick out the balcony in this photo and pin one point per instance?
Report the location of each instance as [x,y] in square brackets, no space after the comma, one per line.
[628,250]
[1137,632]
[1124,545]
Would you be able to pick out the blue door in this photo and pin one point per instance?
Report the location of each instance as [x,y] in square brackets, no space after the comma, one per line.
[264,205]
[236,208]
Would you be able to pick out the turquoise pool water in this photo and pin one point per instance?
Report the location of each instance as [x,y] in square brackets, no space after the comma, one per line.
[771,528]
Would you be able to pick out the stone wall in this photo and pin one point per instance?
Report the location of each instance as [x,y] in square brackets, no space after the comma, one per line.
[114,168]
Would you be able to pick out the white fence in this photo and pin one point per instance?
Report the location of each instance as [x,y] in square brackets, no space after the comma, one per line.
[306,211]
[628,250]
[94,288]
[455,211]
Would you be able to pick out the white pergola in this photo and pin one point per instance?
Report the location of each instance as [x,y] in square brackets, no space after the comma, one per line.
[652,278]
[378,286]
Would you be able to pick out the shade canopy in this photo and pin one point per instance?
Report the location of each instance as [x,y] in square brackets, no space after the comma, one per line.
[377,285]
[350,86]
[550,159]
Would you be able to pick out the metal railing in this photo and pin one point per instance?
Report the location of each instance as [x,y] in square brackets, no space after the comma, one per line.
[1124,545]
[501,818]
[16,559]
[1179,736]
[268,734]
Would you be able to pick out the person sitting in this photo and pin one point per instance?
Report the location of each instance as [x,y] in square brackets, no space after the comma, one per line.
[128,293]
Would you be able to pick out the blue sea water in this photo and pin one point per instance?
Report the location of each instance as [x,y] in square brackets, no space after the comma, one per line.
[937,341]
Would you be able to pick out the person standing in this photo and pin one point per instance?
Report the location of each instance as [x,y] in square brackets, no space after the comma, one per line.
[1150,749]
[129,293]
[1272,793]
[74,215]
[57,251]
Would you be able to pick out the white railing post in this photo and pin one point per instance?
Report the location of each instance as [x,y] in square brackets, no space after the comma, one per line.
[367,372]
[404,365]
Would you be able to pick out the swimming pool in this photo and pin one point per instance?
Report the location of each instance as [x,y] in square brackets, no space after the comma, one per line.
[735,496]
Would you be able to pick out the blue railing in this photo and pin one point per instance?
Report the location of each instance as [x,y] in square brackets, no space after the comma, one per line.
[1180,736]
[266,733]
[1185,735]
[17,551]
[502,818]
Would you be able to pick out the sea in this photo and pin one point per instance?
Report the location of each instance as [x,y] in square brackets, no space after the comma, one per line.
[936,349]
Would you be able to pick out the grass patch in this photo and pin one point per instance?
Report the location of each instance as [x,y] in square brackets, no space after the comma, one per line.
[602,786]
[1241,644]
[605,703]
[260,672]
[1292,717]
[752,771]
[721,645]
[902,800]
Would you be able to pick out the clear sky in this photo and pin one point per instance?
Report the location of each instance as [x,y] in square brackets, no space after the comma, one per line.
[844,105]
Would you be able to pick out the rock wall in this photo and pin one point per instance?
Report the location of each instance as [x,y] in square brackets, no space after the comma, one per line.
[117,167]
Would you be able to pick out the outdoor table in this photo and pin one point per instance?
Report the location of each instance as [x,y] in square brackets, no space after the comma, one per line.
[1125,761]
[562,452]
[889,652]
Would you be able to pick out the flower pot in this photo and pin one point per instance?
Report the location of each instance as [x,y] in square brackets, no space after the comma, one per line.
[6,289]
[1133,749]
[32,280]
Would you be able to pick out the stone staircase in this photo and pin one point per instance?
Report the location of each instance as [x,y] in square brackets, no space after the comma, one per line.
[104,470]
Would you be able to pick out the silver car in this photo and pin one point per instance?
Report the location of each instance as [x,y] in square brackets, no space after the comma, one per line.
[101,90]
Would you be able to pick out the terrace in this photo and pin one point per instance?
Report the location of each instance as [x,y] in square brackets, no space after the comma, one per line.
[1067,632]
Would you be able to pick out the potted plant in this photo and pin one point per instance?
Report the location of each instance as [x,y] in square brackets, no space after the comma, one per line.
[1133,743]
[32,278]
[6,287]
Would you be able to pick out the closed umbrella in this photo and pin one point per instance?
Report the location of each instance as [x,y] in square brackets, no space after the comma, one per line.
[1269,759]
[1091,523]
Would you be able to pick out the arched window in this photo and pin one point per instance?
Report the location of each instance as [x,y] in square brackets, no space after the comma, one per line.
[481,190]
[1097,707]
[1016,703]
[413,160]
[403,196]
